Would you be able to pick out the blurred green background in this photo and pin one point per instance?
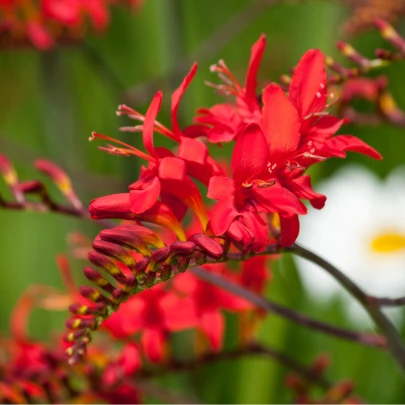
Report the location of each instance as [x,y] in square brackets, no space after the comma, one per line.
[50,102]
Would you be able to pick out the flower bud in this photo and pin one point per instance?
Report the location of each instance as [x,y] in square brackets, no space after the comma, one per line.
[207,245]
[114,251]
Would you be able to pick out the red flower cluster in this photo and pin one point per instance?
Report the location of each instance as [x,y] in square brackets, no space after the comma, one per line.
[32,372]
[278,136]
[44,21]
[187,303]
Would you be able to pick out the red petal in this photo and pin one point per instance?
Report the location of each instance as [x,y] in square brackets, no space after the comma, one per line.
[335,146]
[222,215]
[240,233]
[280,123]
[278,199]
[220,187]
[325,127]
[302,188]
[255,274]
[177,96]
[110,206]
[180,314]
[195,154]
[153,344]
[142,200]
[250,154]
[172,168]
[177,206]
[290,228]
[39,36]
[259,229]
[195,131]
[254,63]
[149,124]
[308,85]
[186,192]
[224,120]
[162,215]
[130,358]
[212,323]
[193,150]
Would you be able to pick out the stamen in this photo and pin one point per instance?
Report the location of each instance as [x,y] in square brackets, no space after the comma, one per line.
[293,165]
[333,102]
[128,149]
[136,128]
[266,184]
[317,114]
[115,151]
[312,156]
[222,89]
[247,185]
[225,79]
[231,83]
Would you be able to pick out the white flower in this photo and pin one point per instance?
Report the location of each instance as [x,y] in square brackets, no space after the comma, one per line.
[361,231]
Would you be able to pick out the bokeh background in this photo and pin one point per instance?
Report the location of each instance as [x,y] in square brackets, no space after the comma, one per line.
[51,101]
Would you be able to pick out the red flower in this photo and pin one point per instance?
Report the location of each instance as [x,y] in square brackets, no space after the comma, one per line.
[308,94]
[209,302]
[41,23]
[255,274]
[250,192]
[223,122]
[269,157]
[167,177]
[154,313]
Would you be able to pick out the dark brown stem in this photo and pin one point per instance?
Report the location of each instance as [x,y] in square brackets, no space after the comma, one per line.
[366,339]
[47,205]
[250,349]
[387,302]
[394,342]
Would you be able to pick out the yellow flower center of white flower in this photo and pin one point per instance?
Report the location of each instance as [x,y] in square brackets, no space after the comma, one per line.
[388,242]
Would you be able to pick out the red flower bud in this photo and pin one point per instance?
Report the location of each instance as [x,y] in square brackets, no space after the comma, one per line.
[207,245]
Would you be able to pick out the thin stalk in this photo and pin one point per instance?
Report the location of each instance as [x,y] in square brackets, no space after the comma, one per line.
[394,341]
[366,339]
[253,348]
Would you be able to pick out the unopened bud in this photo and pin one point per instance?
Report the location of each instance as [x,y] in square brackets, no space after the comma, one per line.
[350,53]
[124,237]
[207,245]
[390,34]
[184,248]
[78,309]
[240,234]
[92,294]
[61,180]
[74,336]
[160,255]
[97,278]
[114,251]
[81,323]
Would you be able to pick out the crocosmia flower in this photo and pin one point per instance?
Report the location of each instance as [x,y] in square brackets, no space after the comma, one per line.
[44,22]
[276,135]
[270,156]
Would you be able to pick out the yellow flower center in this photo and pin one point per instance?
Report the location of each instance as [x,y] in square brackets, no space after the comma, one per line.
[388,242]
